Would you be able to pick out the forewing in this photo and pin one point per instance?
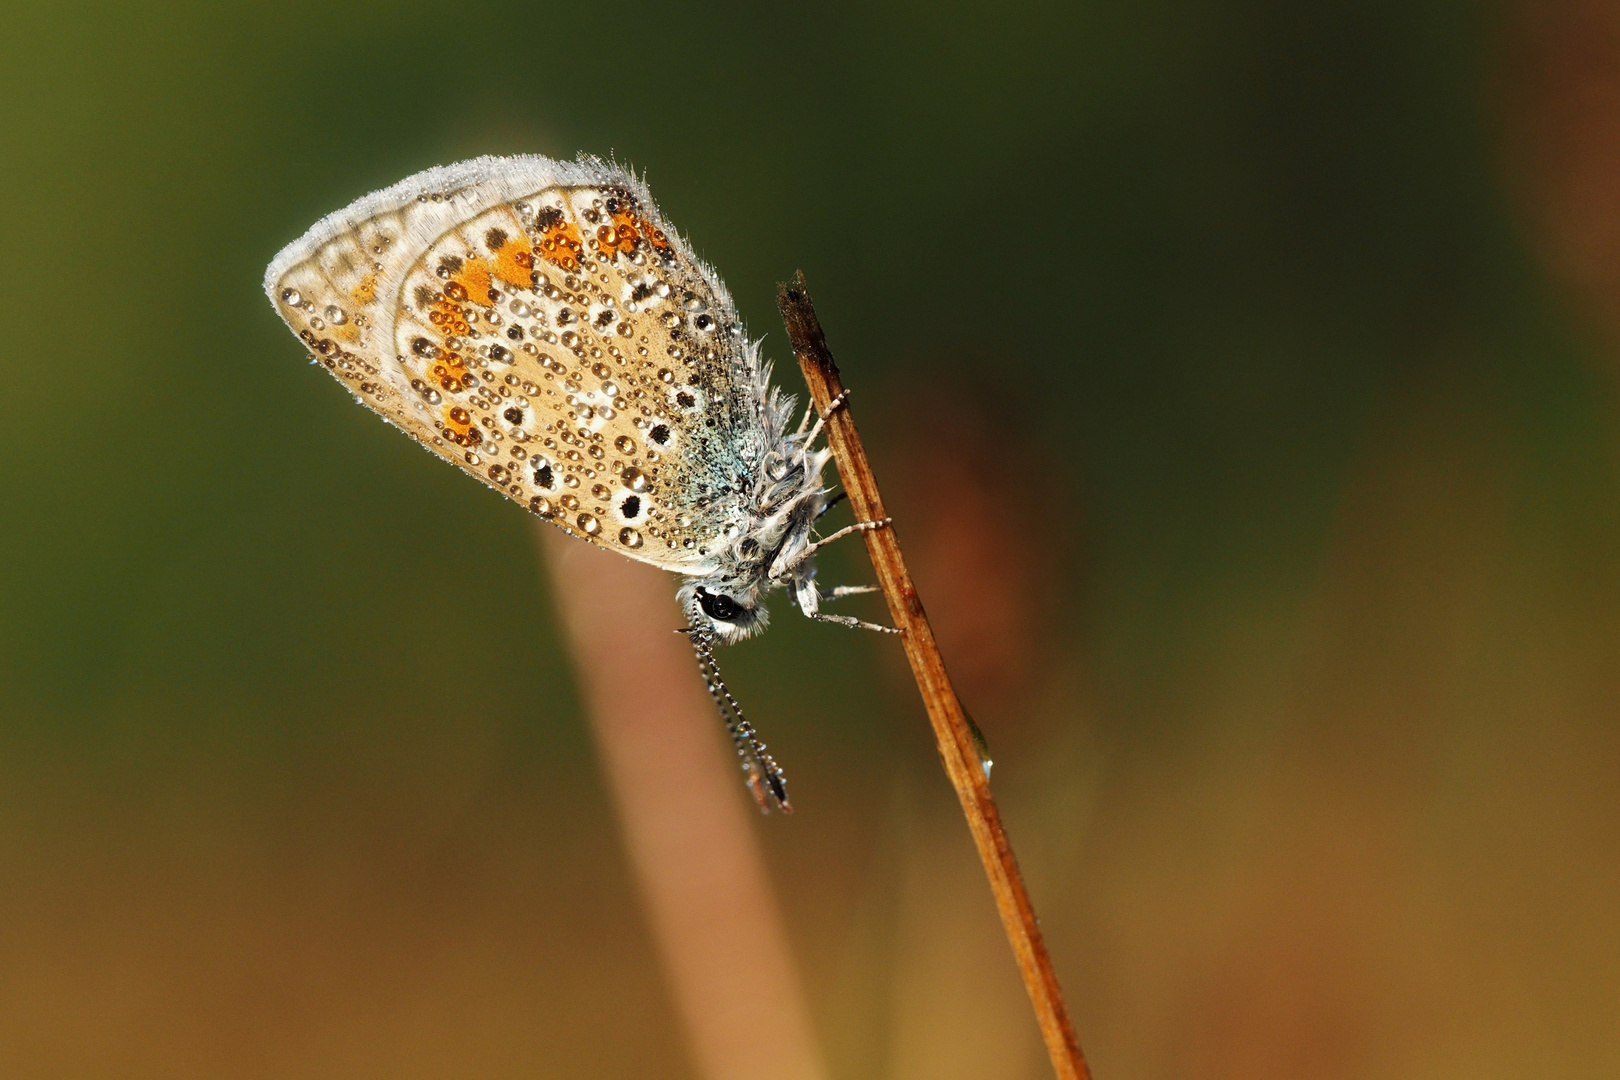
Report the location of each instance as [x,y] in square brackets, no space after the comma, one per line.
[538,324]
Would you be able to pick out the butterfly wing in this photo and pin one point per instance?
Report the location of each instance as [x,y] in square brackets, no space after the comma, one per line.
[538,324]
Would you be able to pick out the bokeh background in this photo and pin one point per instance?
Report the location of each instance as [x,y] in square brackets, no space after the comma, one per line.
[1243,375]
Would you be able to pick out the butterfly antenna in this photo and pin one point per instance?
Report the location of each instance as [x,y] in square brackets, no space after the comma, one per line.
[764,777]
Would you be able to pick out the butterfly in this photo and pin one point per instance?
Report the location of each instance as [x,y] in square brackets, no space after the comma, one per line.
[540,325]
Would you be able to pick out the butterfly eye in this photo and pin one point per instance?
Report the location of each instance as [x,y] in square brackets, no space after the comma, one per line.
[718,606]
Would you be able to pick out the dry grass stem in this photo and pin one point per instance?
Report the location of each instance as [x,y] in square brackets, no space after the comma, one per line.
[688,830]
[958,747]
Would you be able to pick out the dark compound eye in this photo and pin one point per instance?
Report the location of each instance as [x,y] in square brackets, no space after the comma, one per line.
[718,606]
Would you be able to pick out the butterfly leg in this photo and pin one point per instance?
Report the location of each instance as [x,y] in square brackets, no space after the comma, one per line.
[852,622]
[809,598]
[821,421]
[840,591]
[809,411]
[859,526]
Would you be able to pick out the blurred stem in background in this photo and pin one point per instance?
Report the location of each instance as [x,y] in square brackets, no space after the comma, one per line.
[681,805]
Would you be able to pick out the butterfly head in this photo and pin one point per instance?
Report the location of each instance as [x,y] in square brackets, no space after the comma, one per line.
[729,609]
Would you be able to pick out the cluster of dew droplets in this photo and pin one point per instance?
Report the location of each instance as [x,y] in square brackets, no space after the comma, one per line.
[622,360]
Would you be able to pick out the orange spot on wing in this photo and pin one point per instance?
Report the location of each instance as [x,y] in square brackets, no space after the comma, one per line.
[514,263]
[366,291]
[447,371]
[560,243]
[474,278]
[459,427]
[619,233]
[445,314]
[655,236]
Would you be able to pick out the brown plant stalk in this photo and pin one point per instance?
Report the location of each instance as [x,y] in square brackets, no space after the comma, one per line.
[954,733]
[694,852]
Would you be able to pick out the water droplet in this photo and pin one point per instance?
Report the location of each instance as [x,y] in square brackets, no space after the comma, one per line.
[601,370]
[666,375]
[541,505]
[316,324]
[601,492]
[570,502]
[629,538]
[634,479]
[291,297]
[588,524]
[611,389]
[684,521]
[472,458]
[519,308]
[335,315]
[626,444]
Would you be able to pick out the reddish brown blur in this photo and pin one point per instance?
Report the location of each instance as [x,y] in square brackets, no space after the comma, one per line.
[949,475]
[955,472]
[1560,94]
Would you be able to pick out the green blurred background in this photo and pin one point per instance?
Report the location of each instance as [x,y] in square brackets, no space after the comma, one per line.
[1242,374]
